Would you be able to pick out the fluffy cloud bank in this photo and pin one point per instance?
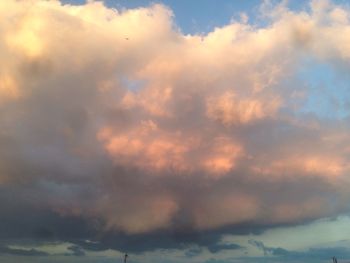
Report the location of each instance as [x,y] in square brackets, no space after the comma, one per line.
[117,116]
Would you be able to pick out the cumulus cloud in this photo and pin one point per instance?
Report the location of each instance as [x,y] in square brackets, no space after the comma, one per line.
[117,117]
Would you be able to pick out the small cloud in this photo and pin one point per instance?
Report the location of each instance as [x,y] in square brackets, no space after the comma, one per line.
[219,247]
[76,251]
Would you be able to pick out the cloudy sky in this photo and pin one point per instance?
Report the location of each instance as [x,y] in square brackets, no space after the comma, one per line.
[174,131]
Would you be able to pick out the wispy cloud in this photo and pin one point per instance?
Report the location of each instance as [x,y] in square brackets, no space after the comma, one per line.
[21,252]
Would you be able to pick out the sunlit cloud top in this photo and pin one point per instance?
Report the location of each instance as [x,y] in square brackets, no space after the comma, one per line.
[118,117]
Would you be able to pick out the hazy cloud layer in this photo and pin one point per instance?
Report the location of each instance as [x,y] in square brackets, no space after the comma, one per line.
[21,252]
[310,255]
[118,119]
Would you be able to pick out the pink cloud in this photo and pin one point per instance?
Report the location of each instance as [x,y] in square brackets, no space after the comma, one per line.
[210,136]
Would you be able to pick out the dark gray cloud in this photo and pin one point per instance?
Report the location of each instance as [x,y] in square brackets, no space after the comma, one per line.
[21,252]
[269,250]
[192,252]
[76,251]
[44,225]
[218,247]
[316,254]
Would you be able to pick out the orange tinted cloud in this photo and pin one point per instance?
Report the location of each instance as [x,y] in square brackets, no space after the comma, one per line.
[118,115]
[156,150]
[229,111]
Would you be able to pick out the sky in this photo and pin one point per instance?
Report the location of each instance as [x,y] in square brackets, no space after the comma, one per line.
[174,131]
